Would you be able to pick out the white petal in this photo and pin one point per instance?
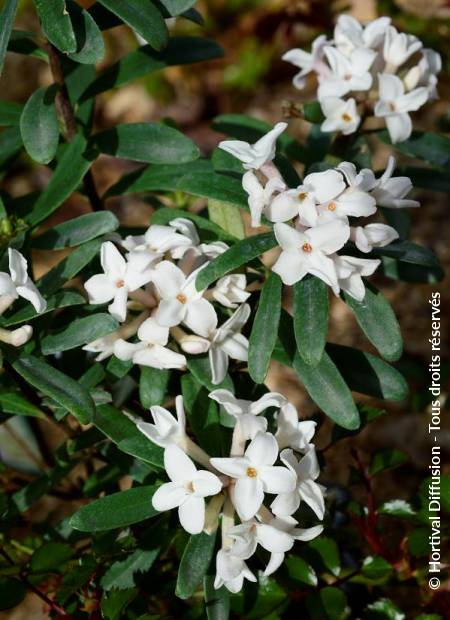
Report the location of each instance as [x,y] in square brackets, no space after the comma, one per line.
[290,266]
[125,350]
[29,292]
[170,312]
[272,539]
[7,287]
[17,267]
[100,289]
[192,514]
[229,402]
[285,504]
[168,279]
[288,238]
[236,347]
[263,450]
[168,496]
[327,185]
[308,533]
[308,466]
[206,483]
[271,399]
[329,237]
[118,308]
[390,87]
[399,127]
[277,479]
[310,492]
[112,261]
[152,331]
[248,497]
[218,361]
[235,467]
[156,356]
[282,208]
[200,317]
[178,465]
[276,560]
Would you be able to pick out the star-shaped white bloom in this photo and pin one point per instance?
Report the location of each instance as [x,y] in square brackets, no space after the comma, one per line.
[166,428]
[350,271]
[306,472]
[254,156]
[228,342]
[230,290]
[348,73]
[372,236]
[246,411]
[292,432]
[231,571]
[119,279]
[391,191]
[341,115]
[104,346]
[180,301]
[259,196]
[146,250]
[255,475]
[187,489]
[308,62]
[394,105]
[150,350]
[349,34]
[399,47]
[307,252]
[18,283]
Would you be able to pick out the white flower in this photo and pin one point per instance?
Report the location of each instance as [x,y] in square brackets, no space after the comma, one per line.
[166,428]
[308,62]
[398,47]
[340,115]
[429,66]
[151,350]
[18,283]
[17,337]
[246,411]
[254,156]
[231,571]
[259,196]
[350,271]
[230,290]
[394,105]
[349,34]
[291,432]
[187,229]
[119,279]
[187,489]
[104,346]
[180,301]
[372,236]
[227,341]
[306,471]
[391,191]
[255,475]
[348,73]
[307,252]
[146,250]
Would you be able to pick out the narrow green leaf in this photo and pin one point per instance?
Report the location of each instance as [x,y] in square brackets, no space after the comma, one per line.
[386,459]
[217,601]
[311,318]
[6,23]
[116,510]
[200,367]
[10,143]
[194,564]
[120,574]
[63,389]
[90,45]
[16,404]
[176,7]
[227,216]
[431,147]
[22,42]
[377,320]
[50,557]
[153,386]
[241,253]
[76,231]
[66,177]
[143,17]
[409,252]
[326,550]
[265,329]
[10,113]
[39,125]
[147,142]
[56,24]
[79,332]
[29,494]
[301,571]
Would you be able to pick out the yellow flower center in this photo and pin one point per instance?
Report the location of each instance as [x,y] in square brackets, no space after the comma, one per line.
[251,472]
[346,117]
[302,196]
[307,247]
[331,206]
[182,298]
[392,106]
[120,283]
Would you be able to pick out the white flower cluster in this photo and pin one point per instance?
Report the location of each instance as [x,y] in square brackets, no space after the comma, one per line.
[13,285]
[379,69]
[283,464]
[157,275]
[320,209]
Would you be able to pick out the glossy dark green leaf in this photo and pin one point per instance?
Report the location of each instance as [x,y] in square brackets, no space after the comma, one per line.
[120,574]
[203,415]
[56,24]
[50,557]
[29,494]
[311,318]
[431,147]
[53,383]
[299,570]
[79,332]
[377,320]
[147,142]
[22,42]
[6,23]
[10,143]
[312,112]
[16,404]
[325,550]
[239,254]
[427,179]
[145,60]
[176,7]
[265,329]
[12,592]
[153,386]
[194,564]
[90,45]
[200,367]
[143,17]
[65,179]
[329,603]
[409,252]
[116,510]
[217,601]
[76,231]
[39,125]
[376,567]
[386,459]
[10,113]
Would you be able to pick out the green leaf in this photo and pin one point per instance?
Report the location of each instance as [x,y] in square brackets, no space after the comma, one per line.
[377,320]
[299,570]
[114,603]
[200,367]
[194,564]
[327,604]
[116,510]
[76,231]
[376,567]
[79,332]
[431,147]
[144,60]
[21,42]
[207,229]
[386,459]
[10,143]
[56,24]
[16,404]
[153,386]
[408,252]
[227,216]
[383,609]
[311,318]
[176,7]
[39,125]
[63,299]
[147,142]
[265,328]
[427,179]
[143,17]
[50,557]
[120,429]
[23,499]
[10,113]
[241,253]
[312,112]
[12,592]
[90,45]
[58,386]
[217,602]
[6,23]
[120,574]
[66,177]
[326,551]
